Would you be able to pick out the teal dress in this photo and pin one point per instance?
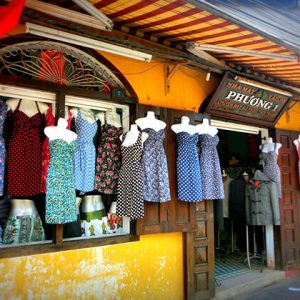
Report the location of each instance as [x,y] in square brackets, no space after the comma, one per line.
[60,187]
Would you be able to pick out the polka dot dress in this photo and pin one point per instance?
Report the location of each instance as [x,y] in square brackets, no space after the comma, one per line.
[3,110]
[130,186]
[188,168]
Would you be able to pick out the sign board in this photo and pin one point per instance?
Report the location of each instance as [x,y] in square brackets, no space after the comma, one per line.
[241,99]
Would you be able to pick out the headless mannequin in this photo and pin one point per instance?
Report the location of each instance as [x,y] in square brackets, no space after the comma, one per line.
[150,122]
[22,207]
[297,142]
[86,114]
[132,136]
[27,106]
[112,118]
[205,128]
[60,132]
[184,126]
[270,146]
[92,203]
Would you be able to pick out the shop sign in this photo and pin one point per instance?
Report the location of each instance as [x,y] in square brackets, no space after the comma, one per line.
[245,101]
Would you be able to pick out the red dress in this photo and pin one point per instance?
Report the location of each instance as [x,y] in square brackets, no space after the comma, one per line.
[24,155]
[49,121]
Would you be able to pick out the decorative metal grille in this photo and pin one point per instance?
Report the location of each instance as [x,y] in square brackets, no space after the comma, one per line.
[57,63]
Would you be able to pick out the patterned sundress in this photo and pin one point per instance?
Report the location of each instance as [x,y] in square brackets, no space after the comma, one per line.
[189,186]
[108,160]
[212,183]
[3,110]
[60,188]
[85,154]
[155,169]
[130,186]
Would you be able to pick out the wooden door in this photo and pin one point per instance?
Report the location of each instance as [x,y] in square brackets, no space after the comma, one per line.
[288,238]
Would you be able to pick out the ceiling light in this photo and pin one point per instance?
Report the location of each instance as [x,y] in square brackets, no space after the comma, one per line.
[207,75]
[93,11]
[231,50]
[85,42]
[67,14]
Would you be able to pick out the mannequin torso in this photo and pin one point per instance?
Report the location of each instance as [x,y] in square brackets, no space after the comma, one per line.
[86,114]
[28,107]
[270,146]
[92,203]
[22,207]
[112,118]
[184,126]
[205,128]
[297,142]
[150,122]
[132,136]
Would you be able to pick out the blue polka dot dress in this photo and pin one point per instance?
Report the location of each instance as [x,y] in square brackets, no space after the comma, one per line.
[212,184]
[188,168]
[85,155]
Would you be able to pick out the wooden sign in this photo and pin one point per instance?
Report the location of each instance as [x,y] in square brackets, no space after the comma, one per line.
[241,99]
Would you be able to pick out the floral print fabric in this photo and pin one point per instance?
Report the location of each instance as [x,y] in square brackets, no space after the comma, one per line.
[3,110]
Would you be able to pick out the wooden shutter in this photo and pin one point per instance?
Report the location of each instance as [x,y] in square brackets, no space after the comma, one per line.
[288,237]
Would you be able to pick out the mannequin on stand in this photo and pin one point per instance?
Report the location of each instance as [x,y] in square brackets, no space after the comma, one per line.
[206,128]
[30,108]
[85,113]
[132,136]
[150,122]
[110,117]
[270,146]
[184,126]
[297,142]
[60,132]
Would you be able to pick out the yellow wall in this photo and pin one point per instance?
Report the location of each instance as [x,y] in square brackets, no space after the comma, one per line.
[290,120]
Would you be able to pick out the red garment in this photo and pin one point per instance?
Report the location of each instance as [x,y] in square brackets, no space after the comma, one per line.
[49,121]
[24,165]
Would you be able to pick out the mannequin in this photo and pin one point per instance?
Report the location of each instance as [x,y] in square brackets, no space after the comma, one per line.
[270,146]
[150,122]
[297,142]
[132,136]
[206,128]
[60,132]
[27,106]
[184,126]
[86,114]
[112,118]
[22,207]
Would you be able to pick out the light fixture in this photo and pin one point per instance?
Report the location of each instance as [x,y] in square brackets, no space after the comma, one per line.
[262,86]
[93,11]
[69,15]
[78,40]
[207,75]
[194,47]
[234,127]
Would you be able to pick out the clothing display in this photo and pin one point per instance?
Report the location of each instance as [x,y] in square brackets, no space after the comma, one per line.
[212,184]
[130,201]
[3,111]
[23,229]
[93,223]
[271,168]
[237,200]
[155,169]
[24,154]
[226,185]
[60,190]
[85,154]
[262,202]
[108,161]
[49,121]
[188,168]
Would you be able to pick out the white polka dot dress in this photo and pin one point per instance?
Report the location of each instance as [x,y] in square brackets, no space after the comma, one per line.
[130,186]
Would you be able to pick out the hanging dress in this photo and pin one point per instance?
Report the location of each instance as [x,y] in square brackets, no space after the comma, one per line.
[212,183]
[3,110]
[60,188]
[24,154]
[85,154]
[271,168]
[188,168]
[130,186]
[49,121]
[108,160]
[155,169]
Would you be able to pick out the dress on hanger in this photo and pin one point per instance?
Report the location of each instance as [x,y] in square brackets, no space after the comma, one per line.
[24,154]
[85,154]
[130,201]
[60,189]
[108,160]
[188,168]
[212,184]
[271,168]
[49,121]
[155,169]
[3,111]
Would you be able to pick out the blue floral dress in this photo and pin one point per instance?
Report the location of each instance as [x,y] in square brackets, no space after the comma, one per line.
[60,189]
[188,168]
[3,110]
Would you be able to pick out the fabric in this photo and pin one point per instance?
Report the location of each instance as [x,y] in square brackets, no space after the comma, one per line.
[212,184]
[23,229]
[271,168]
[3,111]
[189,187]
[262,202]
[155,169]
[108,162]
[60,189]
[72,229]
[94,223]
[49,121]
[24,154]
[226,184]
[85,154]
[237,200]
[130,186]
